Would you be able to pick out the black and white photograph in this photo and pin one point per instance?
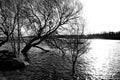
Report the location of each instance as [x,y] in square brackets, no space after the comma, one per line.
[59,39]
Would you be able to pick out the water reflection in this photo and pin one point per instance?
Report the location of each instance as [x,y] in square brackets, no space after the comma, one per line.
[105,57]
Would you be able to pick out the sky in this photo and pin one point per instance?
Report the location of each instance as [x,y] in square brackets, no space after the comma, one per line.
[101,15]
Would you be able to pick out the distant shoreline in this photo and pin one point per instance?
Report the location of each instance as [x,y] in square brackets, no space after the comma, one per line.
[75,36]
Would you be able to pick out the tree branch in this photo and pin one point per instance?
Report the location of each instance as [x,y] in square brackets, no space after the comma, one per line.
[42,48]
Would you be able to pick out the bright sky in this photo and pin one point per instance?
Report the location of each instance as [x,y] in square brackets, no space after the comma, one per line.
[101,15]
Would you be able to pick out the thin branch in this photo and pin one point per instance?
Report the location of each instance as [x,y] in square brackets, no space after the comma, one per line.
[41,48]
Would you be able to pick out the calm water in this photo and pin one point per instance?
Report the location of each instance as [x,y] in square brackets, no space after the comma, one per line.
[104,57]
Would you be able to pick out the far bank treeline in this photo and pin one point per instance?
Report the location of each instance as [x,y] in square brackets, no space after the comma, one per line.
[104,35]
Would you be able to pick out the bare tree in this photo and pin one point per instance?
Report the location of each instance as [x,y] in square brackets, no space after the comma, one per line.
[6,27]
[46,17]
[72,46]
[77,46]
[12,16]
[43,18]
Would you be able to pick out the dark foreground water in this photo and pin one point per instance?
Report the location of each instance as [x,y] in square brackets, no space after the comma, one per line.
[104,57]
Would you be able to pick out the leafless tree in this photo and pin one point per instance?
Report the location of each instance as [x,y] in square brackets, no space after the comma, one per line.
[41,18]
[6,27]
[77,46]
[46,17]
[43,21]
[73,46]
[11,21]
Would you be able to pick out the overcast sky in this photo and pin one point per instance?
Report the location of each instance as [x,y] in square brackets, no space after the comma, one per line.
[101,15]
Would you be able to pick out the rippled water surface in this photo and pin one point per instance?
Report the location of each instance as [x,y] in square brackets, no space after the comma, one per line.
[104,57]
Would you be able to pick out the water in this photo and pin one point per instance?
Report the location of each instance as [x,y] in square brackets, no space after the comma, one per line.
[104,56]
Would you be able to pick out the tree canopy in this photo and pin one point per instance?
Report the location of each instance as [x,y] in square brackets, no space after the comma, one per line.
[40,18]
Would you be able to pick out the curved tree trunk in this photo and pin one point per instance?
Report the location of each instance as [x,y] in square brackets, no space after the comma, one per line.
[24,52]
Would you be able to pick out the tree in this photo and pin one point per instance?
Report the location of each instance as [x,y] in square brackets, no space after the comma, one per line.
[43,21]
[41,18]
[46,17]
[72,47]
[11,21]
[76,48]
[6,26]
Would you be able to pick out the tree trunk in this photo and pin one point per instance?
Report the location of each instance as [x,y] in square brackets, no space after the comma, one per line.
[73,67]
[29,45]
[18,42]
[73,70]
[25,50]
